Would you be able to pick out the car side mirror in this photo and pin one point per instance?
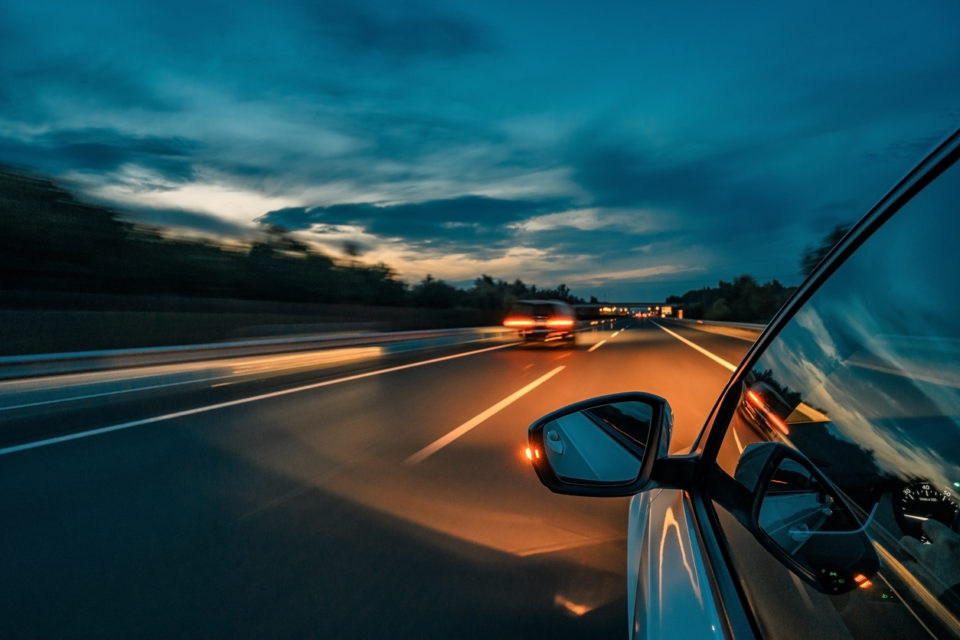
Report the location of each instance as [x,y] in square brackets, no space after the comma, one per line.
[804,521]
[604,446]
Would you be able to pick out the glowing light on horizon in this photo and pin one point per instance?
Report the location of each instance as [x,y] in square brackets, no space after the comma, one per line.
[223,201]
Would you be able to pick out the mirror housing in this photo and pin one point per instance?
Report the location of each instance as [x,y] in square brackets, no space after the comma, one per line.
[604,446]
[803,520]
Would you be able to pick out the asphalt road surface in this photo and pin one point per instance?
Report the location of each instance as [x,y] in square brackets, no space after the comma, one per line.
[390,499]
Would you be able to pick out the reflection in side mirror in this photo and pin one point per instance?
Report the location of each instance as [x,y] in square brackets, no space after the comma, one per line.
[804,521]
[579,451]
[599,446]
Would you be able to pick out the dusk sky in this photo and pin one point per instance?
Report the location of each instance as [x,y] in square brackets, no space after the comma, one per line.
[630,150]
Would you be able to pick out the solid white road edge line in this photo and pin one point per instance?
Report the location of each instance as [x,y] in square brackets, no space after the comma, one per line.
[736,439]
[232,403]
[697,347]
[440,443]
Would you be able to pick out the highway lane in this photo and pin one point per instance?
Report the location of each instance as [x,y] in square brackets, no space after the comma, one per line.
[303,515]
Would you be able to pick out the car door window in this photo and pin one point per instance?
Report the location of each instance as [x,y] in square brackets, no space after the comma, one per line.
[865,381]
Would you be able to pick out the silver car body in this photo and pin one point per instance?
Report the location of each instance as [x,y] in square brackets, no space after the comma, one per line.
[668,584]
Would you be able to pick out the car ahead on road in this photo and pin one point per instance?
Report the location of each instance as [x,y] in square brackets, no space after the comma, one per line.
[821,498]
[543,321]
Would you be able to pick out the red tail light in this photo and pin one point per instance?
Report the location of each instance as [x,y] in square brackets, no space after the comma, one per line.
[772,418]
[518,322]
[559,322]
[778,423]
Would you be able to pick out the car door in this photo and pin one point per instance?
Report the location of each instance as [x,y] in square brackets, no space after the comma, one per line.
[861,375]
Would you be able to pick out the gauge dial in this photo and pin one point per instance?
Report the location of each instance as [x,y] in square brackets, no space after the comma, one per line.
[922,501]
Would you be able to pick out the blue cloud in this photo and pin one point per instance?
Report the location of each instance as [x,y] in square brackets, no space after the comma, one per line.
[103,150]
[383,29]
[469,221]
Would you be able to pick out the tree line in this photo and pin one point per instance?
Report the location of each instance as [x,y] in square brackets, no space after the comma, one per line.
[744,300]
[53,242]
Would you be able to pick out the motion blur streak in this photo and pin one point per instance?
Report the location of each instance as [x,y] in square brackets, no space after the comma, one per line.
[308,360]
[189,412]
[35,392]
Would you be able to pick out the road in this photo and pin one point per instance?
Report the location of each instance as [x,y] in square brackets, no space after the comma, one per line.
[391,499]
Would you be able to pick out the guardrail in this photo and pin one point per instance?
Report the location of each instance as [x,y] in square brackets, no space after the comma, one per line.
[738,325]
[87,361]
[747,331]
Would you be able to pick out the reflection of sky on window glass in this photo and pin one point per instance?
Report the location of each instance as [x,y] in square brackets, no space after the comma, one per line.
[878,347]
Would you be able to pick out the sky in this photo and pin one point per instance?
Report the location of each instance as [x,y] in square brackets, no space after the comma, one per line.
[630,150]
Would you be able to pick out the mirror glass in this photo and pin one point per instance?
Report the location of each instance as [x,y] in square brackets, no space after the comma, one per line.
[814,527]
[579,449]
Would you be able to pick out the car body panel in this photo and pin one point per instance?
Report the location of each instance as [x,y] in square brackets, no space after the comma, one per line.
[668,582]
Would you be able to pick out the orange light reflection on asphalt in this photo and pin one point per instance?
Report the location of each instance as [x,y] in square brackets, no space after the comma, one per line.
[574,608]
[312,359]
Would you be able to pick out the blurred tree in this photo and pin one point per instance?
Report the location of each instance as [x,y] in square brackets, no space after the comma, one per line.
[488,294]
[434,294]
[719,310]
[742,300]
[813,254]
[352,248]
[52,242]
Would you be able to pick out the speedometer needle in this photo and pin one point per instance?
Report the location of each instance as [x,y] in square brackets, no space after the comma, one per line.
[907,515]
